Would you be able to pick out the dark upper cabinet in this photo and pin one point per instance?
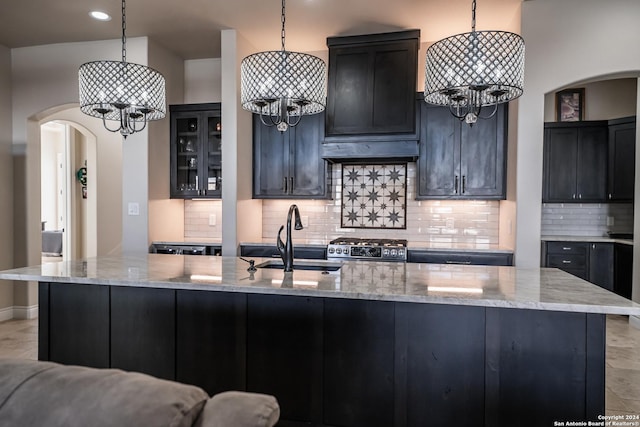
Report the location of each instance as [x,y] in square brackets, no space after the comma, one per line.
[372,84]
[196,151]
[288,164]
[458,161]
[622,159]
[575,162]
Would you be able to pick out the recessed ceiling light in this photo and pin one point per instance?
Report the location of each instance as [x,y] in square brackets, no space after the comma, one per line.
[100,16]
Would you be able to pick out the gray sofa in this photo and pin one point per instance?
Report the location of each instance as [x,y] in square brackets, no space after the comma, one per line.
[45,394]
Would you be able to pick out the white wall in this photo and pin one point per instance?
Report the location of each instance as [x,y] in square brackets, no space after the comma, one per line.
[567,42]
[166,216]
[6,177]
[202,81]
[53,142]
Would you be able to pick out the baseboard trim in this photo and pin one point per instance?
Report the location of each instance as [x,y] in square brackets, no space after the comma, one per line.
[30,312]
[6,314]
[634,321]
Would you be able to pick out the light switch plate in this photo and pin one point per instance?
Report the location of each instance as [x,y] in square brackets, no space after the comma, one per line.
[212,219]
[134,208]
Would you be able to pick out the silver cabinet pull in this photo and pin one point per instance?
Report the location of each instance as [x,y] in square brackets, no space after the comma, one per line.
[579,196]
[456,182]
[564,261]
[566,248]
[291,186]
[573,196]
[197,186]
[609,196]
[285,184]
[464,183]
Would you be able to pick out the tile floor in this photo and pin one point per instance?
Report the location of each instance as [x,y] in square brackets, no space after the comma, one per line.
[19,339]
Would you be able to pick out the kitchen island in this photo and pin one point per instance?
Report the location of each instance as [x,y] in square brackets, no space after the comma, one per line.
[371,344]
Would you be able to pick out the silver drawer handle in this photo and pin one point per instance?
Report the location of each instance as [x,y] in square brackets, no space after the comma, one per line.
[564,261]
[566,248]
[458,262]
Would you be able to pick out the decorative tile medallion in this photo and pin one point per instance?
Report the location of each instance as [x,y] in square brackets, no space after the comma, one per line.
[374,196]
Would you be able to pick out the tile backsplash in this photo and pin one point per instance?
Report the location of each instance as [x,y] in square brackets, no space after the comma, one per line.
[448,222]
[586,219]
[445,222]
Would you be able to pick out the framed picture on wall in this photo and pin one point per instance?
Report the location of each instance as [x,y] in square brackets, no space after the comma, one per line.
[570,105]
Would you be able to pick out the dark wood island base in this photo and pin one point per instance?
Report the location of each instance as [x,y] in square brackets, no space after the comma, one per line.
[336,362]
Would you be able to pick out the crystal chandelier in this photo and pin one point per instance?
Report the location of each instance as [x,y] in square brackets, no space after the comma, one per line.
[282,86]
[469,71]
[120,91]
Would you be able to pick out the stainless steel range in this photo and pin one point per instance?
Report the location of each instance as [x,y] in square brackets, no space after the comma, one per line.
[368,249]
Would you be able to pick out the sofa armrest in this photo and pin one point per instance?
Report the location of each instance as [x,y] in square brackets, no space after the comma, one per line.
[239,409]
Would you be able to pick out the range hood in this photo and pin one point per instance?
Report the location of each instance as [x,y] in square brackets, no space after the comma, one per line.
[370,149]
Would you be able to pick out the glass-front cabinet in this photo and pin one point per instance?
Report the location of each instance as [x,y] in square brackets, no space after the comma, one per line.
[196,151]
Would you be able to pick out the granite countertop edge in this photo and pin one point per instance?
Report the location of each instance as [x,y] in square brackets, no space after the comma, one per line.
[588,239]
[503,287]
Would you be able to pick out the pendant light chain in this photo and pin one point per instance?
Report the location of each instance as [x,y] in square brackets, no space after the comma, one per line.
[473,16]
[282,19]
[124,36]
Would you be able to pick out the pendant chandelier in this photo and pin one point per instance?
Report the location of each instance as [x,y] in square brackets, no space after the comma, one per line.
[468,72]
[282,86]
[129,94]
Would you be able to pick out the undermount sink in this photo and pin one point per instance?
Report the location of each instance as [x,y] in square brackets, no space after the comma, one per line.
[303,265]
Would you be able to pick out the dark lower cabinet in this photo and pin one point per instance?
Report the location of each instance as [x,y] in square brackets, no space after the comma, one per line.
[335,362]
[143,330]
[78,316]
[284,353]
[605,264]
[462,257]
[623,256]
[211,326]
[270,251]
[358,363]
[441,369]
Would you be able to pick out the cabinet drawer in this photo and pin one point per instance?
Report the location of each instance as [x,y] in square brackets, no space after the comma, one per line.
[567,261]
[573,248]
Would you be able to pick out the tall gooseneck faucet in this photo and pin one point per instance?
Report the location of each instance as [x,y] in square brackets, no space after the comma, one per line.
[286,250]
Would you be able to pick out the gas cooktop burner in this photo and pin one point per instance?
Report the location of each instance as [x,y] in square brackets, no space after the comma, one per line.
[367,249]
[355,241]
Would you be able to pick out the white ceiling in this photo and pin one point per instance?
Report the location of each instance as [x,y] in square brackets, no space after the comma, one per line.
[191,28]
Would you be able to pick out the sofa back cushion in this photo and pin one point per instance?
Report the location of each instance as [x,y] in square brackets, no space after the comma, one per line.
[34,394]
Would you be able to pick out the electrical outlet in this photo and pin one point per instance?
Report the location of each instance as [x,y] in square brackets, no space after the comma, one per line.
[212,220]
[305,220]
[610,221]
[449,223]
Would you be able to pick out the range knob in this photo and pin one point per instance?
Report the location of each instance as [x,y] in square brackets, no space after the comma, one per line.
[338,251]
[394,252]
[331,250]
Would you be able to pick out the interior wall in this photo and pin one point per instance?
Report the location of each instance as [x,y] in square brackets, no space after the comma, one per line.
[603,100]
[6,177]
[202,80]
[239,210]
[166,216]
[562,40]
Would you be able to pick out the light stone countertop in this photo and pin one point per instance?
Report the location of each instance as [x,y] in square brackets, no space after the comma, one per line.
[423,246]
[589,239]
[488,286]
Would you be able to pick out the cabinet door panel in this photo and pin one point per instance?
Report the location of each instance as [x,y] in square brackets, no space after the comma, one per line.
[308,171]
[482,157]
[601,265]
[143,330]
[270,159]
[215,322]
[592,164]
[393,84]
[622,155]
[350,76]
[560,169]
[78,324]
[358,363]
[284,353]
[439,153]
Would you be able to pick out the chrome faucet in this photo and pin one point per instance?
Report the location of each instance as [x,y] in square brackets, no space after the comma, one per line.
[286,250]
